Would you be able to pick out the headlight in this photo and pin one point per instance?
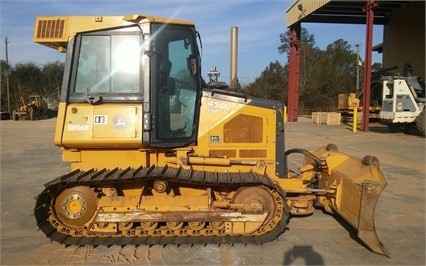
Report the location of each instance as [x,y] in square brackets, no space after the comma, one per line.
[399,106]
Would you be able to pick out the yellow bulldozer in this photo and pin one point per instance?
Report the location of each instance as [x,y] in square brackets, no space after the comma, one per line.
[347,102]
[158,159]
[31,109]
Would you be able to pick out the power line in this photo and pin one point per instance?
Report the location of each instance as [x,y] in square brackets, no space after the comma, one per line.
[7,76]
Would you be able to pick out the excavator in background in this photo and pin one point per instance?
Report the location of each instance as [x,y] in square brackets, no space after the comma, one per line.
[158,159]
[403,102]
[397,101]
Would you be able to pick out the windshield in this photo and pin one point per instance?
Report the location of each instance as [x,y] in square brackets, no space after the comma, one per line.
[108,63]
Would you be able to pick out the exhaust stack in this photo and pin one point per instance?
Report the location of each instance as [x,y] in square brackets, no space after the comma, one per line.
[234,59]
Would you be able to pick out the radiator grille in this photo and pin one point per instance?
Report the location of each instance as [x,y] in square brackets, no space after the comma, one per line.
[50,28]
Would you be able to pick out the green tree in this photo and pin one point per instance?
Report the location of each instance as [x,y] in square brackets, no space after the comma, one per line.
[306,40]
[273,81]
[4,68]
[309,57]
[52,79]
[25,79]
[323,73]
[335,73]
[270,84]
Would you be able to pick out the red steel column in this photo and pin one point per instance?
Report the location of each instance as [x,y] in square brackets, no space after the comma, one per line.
[371,4]
[294,73]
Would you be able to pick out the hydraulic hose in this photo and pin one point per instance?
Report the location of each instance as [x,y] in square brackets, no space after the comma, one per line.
[307,153]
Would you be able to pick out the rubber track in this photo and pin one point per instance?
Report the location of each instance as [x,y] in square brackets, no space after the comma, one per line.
[116,176]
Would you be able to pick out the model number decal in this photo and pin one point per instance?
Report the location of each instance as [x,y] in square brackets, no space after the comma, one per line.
[215,106]
[74,127]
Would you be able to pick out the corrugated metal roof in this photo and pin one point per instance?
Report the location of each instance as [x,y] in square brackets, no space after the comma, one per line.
[339,11]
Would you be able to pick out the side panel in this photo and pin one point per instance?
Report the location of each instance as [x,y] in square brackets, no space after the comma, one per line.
[240,130]
[112,125]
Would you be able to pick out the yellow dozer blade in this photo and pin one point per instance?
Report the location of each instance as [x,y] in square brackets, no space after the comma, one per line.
[352,188]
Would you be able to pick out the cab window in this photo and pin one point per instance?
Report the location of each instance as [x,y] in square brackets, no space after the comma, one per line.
[108,64]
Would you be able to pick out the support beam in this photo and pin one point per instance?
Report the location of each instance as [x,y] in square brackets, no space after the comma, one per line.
[371,4]
[294,73]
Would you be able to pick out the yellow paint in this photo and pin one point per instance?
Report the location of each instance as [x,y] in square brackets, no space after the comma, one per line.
[285,114]
[233,136]
[74,206]
[55,31]
[355,120]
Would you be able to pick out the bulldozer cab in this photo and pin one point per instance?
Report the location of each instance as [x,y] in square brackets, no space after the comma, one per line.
[151,68]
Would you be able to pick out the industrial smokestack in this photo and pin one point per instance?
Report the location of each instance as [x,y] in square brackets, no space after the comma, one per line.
[234,59]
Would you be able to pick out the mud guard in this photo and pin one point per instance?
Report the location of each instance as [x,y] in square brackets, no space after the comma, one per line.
[353,189]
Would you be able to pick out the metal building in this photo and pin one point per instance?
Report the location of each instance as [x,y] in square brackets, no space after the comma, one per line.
[403,36]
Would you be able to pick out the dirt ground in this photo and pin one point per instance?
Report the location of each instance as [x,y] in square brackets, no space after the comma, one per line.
[29,159]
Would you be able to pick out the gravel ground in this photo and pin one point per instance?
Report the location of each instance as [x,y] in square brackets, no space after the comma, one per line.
[29,159]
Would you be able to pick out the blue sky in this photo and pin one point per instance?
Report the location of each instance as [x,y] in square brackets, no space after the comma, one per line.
[259,26]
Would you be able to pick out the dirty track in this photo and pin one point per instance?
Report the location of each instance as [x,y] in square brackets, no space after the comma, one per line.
[171,175]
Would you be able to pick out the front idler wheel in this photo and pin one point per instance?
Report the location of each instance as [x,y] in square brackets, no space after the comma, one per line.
[75,206]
